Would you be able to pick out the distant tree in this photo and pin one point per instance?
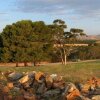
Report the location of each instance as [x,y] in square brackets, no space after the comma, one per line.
[95,52]
[77,31]
[61,38]
[83,53]
[58,36]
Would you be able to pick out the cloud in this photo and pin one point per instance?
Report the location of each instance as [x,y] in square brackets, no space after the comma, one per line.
[85,8]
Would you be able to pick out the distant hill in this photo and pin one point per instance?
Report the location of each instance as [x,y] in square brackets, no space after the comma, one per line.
[90,37]
[98,37]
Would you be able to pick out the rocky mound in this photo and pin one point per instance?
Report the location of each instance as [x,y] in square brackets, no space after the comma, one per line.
[40,86]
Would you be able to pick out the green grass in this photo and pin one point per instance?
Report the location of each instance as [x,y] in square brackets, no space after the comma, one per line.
[74,72]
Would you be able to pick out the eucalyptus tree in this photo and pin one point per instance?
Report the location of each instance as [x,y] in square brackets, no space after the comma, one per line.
[61,38]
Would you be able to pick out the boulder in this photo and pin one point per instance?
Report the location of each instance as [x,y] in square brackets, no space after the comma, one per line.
[49,81]
[16,89]
[38,75]
[74,95]
[24,79]
[29,96]
[31,74]
[7,97]
[10,85]
[96,97]
[1,95]
[35,86]
[56,77]
[53,76]
[60,85]
[94,92]
[6,89]
[85,88]
[15,76]
[41,89]
[70,87]
[21,97]
[39,86]
[53,94]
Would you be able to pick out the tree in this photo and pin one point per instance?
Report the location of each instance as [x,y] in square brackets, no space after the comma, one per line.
[61,38]
[27,41]
[58,36]
[24,40]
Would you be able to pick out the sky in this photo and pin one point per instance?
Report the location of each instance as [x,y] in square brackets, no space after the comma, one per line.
[83,14]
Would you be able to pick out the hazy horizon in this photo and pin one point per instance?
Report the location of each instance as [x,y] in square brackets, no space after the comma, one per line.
[83,14]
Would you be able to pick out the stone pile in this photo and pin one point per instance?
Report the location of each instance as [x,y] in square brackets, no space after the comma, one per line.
[40,86]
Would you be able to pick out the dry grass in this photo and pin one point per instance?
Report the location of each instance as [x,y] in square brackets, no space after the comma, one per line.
[76,72]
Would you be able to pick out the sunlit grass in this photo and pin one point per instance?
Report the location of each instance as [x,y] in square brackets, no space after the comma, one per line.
[74,72]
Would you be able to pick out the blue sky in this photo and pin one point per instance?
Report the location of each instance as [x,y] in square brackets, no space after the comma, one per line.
[84,14]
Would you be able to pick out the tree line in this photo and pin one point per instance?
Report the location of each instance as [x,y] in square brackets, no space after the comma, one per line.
[28,41]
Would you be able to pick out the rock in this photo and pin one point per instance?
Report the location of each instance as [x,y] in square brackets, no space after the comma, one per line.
[31,90]
[10,85]
[74,95]
[29,96]
[6,97]
[24,79]
[96,81]
[16,89]
[84,98]
[15,76]
[53,94]
[41,89]
[49,81]
[35,86]
[96,97]
[49,85]
[10,97]
[86,88]
[5,89]
[58,79]
[42,79]
[31,74]
[20,98]
[38,75]
[79,86]
[90,85]
[97,91]
[60,85]
[27,82]
[71,87]
[40,86]
[1,95]
[71,92]
[53,76]
[94,92]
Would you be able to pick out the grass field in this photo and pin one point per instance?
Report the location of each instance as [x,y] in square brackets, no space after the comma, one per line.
[73,72]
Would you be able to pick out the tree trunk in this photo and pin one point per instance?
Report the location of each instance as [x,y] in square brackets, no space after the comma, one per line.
[65,57]
[25,64]
[17,64]
[34,63]
[62,60]
[65,61]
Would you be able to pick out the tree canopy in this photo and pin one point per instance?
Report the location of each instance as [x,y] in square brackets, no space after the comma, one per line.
[24,41]
[28,41]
